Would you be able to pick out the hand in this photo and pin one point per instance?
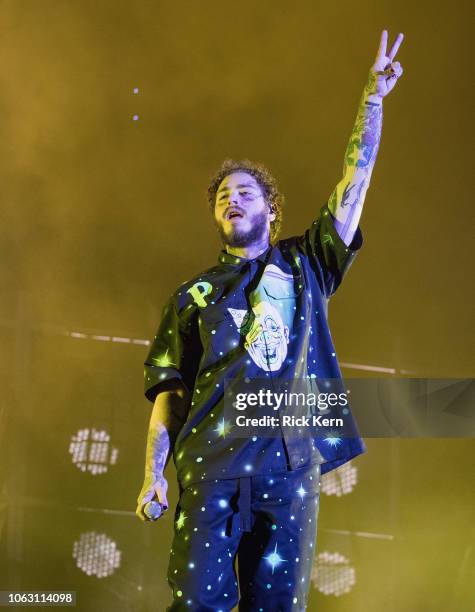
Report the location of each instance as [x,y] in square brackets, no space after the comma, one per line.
[385,72]
[154,488]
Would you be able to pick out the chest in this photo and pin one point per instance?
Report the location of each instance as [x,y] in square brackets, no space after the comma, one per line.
[258,308]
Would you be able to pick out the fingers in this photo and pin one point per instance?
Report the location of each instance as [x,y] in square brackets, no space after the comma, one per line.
[397,69]
[393,70]
[162,499]
[161,488]
[396,46]
[142,500]
[157,492]
[140,509]
[382,45]
[139,512]
[393,78]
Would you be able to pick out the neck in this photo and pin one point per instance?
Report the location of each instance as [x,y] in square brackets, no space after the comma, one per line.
[249,252]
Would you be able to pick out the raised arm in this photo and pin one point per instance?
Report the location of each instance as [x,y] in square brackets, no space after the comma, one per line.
[346,201]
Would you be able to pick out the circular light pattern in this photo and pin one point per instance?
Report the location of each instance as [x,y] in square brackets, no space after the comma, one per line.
[91,451]
[340,481]
[96,554]
[332,574]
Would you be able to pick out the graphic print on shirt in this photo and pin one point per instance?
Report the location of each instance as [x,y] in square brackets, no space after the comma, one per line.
[267,326]
[199,291]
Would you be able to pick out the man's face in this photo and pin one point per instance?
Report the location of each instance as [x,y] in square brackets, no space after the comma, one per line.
[241,213]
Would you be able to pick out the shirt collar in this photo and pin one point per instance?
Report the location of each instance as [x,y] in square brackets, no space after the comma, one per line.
[233,260]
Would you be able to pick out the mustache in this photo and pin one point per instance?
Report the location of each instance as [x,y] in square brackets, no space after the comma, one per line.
[234,209]
[242,238]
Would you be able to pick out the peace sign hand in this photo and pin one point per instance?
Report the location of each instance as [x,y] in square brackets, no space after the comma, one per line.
[385,72]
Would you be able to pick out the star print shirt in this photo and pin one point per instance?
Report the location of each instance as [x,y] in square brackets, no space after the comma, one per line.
[204,337]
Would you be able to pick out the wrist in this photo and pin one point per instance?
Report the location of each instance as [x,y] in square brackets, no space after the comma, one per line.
[372,98]
[370,90]
[153,473]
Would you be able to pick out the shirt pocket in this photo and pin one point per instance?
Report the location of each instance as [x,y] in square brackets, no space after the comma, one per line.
[218,330]
[285,291]
[287,300]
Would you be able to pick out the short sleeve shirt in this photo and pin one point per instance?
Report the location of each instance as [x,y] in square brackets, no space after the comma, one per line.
[204,337]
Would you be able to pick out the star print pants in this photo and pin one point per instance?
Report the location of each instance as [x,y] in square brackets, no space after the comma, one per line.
[269,523]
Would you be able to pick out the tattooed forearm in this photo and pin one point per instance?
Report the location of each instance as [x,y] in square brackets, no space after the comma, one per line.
[347,199]
[364,140]
[158,449]
[167,419]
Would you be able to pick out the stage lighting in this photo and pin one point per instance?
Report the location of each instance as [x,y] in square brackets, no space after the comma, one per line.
[340,481]
[332,574]
[96,554]
[91,451]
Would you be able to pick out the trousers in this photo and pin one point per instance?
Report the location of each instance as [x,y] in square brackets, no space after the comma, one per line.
[268,524]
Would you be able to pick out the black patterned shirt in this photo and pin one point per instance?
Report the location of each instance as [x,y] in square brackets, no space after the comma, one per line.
[253,318]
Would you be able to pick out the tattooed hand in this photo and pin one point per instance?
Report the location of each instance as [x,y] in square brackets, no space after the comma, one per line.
[154,488]
[385,72]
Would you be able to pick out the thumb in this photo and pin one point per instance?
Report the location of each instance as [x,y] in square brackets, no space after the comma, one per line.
[146,497]
[161,492]
[164,501]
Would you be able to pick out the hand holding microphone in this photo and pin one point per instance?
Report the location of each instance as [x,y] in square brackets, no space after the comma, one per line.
[152,501]
[153,510]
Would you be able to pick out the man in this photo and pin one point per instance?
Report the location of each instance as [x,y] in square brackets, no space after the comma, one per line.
[261,312]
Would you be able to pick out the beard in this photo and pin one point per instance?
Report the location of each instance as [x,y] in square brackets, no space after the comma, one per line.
[242,238]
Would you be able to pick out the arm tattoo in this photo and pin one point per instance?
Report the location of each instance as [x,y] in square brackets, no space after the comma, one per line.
[163,433]
[158,449]
[347,199]
[346,195]
[364,139]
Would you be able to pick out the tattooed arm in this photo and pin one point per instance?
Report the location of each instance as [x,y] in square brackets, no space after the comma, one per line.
[169,413]
[346,201]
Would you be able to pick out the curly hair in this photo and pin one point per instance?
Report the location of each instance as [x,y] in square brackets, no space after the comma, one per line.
[266,181]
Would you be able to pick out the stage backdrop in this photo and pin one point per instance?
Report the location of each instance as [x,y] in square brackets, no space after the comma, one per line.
[114,116]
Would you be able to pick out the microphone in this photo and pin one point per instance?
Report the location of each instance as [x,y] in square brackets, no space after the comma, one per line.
[153,510]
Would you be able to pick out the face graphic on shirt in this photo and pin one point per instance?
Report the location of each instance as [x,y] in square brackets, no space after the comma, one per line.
[266,328]
[267,339]
[268,344]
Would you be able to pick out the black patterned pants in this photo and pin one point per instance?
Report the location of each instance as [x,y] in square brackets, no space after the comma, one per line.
[269,523]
